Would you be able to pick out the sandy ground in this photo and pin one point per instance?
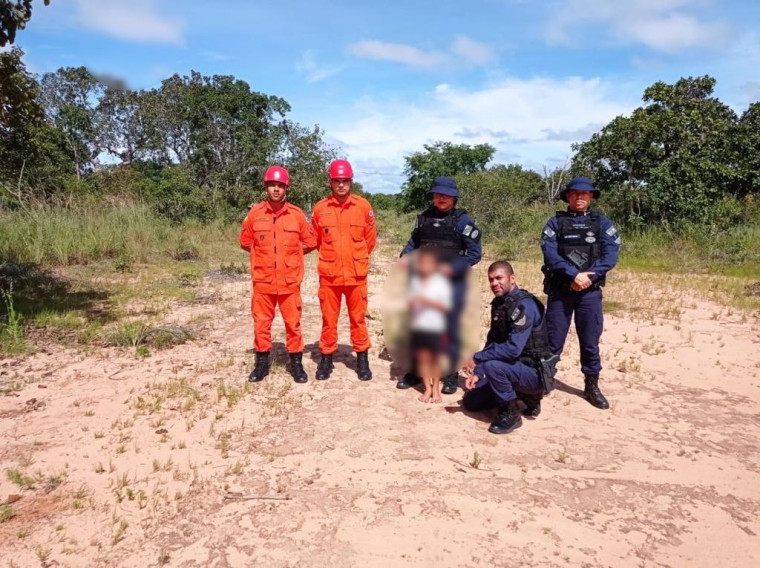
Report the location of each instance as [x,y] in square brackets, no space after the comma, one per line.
[173,460]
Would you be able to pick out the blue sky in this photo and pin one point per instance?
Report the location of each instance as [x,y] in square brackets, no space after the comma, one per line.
[384,78]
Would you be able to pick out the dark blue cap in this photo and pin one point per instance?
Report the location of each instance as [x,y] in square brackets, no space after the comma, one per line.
[580,183]
[445,186]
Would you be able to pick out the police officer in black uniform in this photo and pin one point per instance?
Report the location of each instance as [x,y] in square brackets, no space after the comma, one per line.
[516,362]
[457,239]
[580,247]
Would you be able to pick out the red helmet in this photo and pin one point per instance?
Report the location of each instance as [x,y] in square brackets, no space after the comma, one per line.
[277,173]
[340,169]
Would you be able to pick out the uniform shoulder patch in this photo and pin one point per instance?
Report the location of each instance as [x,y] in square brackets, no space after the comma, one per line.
[467,230]
[519,317]
[475,234]
[612,231]
[549,233]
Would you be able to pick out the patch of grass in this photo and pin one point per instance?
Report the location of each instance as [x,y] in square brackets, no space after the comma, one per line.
[138,334]
[6,512]
[124,263]
[119,533]
[18,477]
[12,340]
[233,269]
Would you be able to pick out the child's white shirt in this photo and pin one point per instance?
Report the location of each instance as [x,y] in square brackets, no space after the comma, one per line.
[438,289]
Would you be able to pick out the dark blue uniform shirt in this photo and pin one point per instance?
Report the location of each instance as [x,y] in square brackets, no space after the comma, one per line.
[471,236]
[610,245]
[511,349]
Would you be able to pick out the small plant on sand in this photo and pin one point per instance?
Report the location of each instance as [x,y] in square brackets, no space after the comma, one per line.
[43,554]
[562,456]
[476,461]
[6,512]
[163,557]
[18,477]
[12,330]
[233,268]
[119,533]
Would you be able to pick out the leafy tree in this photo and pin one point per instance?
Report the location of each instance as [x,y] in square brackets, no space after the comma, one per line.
[19,91]
[70,97]
[122,129]
[747,148]
[494,196]
[306,156]
[13,17]
[671,160]
[440,159]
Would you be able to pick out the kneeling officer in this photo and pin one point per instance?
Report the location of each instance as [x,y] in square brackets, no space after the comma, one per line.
[277,235]
[516,362]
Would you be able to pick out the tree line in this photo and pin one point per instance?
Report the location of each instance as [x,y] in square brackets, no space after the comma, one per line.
[682,158]
[195,146]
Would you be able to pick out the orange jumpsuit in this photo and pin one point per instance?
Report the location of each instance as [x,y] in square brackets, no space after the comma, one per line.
[346,234]
[277,242]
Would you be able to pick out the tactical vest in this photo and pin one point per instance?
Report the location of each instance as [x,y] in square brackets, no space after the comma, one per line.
[505,313]
[579,241]
[440,229]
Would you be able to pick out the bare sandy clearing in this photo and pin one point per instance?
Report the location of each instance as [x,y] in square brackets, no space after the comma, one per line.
[131,459]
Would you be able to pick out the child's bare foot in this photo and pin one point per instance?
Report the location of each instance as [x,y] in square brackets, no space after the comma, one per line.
[436,398]
[425,397]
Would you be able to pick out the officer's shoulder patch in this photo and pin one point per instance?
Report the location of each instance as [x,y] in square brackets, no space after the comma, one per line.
[519,317]
[475,234]
[549,233]
[467,230]
[611,231]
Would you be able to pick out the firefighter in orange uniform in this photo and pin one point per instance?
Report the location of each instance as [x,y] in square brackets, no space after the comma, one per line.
[346,234]
[277,235]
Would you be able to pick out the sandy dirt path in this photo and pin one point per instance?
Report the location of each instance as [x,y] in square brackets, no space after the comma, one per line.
[143,462]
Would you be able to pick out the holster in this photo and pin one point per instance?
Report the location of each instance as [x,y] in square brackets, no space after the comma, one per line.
[546,369]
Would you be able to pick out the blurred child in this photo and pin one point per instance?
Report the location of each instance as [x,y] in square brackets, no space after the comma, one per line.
[430,297]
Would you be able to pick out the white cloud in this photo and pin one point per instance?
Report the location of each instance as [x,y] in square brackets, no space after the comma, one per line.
[473,52]
[313,71]
[216,56]
[397,52]
[463,51]
[134,20]
[533,121]
[663,25]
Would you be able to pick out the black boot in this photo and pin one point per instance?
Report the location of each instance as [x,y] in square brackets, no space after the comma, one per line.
[592,393]
[408,381]
[261,369]
[450,383]
[532,404]
[507,419]
[362,366]
[296,368]
[325,368]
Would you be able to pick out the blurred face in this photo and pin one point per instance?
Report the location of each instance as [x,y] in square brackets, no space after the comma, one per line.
[579,200]
[501,282]
[426,264]
[341,187]
[444,203]
[276,191]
